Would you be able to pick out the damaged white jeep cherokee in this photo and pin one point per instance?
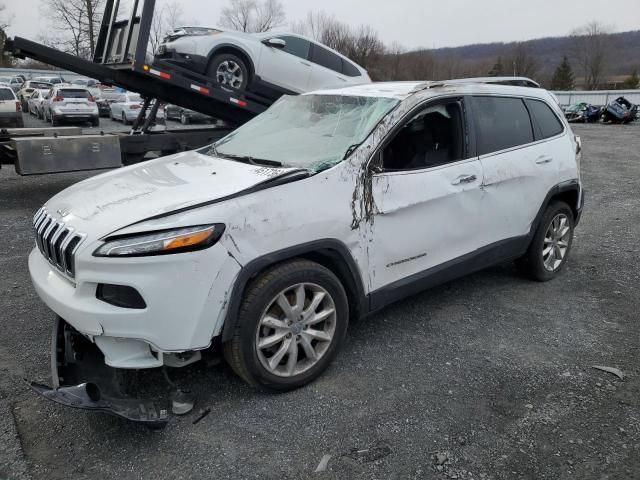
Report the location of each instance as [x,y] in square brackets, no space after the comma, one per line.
[327,207]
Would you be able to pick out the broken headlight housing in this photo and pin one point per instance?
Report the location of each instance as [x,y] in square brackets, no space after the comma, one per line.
[162,242]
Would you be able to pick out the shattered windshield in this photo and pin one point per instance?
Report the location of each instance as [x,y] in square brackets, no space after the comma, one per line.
[314,132]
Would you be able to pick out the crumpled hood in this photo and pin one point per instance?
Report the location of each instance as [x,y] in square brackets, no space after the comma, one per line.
[103,204]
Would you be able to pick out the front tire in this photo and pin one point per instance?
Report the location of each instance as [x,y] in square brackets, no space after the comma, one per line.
[551,244]
[229,71]
[291,325]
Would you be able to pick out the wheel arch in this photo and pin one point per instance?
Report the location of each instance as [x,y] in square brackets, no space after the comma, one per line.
[330,253]
[568,192]
[235,50]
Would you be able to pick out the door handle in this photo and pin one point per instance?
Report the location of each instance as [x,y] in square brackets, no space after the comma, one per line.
[544,160]
[305,63]
[462,179]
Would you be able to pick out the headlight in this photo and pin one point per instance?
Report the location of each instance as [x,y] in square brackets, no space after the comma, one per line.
[161,242]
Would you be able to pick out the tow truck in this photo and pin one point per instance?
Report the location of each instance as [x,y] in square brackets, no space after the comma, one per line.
[122,59]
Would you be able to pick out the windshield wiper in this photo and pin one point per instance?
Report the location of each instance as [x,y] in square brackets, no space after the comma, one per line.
[250,160]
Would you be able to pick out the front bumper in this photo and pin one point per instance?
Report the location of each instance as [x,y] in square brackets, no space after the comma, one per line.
[188,61]
[185,296]
[81,380]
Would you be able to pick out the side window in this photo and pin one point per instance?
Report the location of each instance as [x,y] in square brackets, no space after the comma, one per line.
[502,123]
[432,137]
[297,46]
[349,69]
[327,59]
[547,121]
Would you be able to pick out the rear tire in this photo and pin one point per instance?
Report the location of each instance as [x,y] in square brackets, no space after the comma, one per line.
[229,71]
[551,244]
[310,339]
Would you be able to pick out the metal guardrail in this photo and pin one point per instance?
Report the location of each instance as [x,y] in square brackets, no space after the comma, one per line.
[597,97]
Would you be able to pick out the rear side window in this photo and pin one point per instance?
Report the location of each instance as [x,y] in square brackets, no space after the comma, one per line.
[502,123]
[547,121]
[297,46]
[327,59]
[6,94]
[349,69]
[69,93]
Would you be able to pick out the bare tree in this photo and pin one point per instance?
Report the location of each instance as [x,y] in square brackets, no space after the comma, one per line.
[522,61]
[590,50]
[5,21]
[74,25]
[361,44]
[253,15]
[166,19]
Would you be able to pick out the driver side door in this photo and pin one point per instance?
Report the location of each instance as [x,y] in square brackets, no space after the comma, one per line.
[427,194]
[288,67]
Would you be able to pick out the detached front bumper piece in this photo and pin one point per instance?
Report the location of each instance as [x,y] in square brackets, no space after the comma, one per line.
[82,380]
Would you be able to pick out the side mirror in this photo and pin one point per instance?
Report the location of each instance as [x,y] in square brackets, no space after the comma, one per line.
[275,43]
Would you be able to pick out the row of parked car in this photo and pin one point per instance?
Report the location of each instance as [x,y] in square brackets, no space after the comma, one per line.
[83,100]
[618,111]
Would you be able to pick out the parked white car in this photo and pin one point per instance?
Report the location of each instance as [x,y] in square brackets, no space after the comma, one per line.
[126,107]
[36,101]
[326,207]
[28,88]
[70,104]
[10,108]
[267,63]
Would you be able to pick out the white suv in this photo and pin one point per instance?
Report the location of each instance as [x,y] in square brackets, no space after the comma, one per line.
[266,63]
[327,207]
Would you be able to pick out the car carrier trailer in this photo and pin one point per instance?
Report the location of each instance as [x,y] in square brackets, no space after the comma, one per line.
[122,59]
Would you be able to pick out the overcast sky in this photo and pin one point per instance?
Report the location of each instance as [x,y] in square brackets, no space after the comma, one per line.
[415,23]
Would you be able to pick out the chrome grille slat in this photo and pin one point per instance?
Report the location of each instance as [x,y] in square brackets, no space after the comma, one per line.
[54,239]
[49,232]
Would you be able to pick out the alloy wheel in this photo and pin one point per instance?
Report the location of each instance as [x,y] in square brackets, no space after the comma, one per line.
[229,73]
[556,242]
[296,329]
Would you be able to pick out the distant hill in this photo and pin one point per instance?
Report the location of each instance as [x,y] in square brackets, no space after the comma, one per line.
[479,58]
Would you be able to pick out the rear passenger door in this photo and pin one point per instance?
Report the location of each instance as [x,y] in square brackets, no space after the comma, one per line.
[327,69]
[518,173]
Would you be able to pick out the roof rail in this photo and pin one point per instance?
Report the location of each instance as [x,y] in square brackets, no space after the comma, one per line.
[512,81]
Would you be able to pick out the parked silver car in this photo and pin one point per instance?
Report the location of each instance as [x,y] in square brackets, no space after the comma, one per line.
[71,104]
[126,108]
[36,101]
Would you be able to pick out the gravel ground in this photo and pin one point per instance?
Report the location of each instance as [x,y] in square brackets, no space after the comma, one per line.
[487,377]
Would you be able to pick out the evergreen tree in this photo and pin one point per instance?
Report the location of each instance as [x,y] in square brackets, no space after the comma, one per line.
[498,69]
[563,78]
[633,81]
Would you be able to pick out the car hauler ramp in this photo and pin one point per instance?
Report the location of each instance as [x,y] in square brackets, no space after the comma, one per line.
[122,58]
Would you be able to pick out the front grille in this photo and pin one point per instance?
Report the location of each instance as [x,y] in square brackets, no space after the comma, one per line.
[57,242]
